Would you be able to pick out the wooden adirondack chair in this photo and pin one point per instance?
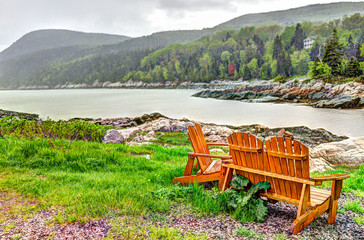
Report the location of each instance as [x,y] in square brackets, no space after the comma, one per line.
[285,164]
[210,170]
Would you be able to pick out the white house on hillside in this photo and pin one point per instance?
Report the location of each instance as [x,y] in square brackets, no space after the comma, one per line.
[308,42]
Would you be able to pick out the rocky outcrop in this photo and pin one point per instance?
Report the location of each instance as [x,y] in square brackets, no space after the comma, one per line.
[29,116]
[156,122]
[315,93]
[326,156]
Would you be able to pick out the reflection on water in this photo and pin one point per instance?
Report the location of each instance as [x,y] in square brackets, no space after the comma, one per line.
[107,103]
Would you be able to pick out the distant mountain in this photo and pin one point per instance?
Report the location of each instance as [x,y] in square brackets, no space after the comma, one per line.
[50,39]
[41,49]
[312,13]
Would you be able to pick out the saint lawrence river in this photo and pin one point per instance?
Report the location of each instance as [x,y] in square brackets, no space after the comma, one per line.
[112,103]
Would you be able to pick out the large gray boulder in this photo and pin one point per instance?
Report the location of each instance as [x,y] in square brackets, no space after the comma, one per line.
[329,155]
[112,136]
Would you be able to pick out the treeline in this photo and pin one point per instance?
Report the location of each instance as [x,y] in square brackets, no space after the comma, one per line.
[251,53]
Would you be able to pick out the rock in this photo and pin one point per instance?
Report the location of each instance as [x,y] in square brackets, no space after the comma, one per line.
[112,136]
[216,150]
[128,132]
[150,136]
[266,99]
[348,152]
[284,133]
[139,138]
[215,138]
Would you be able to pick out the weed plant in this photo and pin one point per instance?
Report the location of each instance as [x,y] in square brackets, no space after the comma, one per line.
[73,130]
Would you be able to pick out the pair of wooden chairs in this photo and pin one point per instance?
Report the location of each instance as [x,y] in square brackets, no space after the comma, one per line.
[284,164]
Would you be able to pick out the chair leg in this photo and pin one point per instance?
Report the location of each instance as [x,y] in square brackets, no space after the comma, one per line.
[307,218]
[225,179]
[303,200]
[189,166]
[335,194]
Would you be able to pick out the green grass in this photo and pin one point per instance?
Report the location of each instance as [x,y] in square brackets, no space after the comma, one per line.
[354,206]
[90,179]
[172,138]
[354,184]
[251,234]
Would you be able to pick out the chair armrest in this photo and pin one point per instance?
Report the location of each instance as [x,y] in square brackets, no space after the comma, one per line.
[210,155]
[218,144]
[227,161]
[332,177]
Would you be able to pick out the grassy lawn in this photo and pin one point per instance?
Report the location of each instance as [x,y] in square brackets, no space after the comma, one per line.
[90,180]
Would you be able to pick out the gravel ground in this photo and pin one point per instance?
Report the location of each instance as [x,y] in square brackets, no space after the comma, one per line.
[18,222]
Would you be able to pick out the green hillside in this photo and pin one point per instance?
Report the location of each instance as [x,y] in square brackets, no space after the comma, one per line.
[47,56]
[50,39]
[251,53]
[311,13]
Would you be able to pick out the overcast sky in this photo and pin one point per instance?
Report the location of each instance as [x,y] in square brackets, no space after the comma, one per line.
[132,18]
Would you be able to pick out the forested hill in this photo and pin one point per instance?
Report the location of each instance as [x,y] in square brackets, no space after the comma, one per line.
[311,13]
[50,39]
[52,57]
[251,53]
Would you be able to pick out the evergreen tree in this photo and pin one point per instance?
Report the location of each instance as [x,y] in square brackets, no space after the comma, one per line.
[353,68]
[350,50]
[315,72]
[277,46]
[284,64]
[315,51]
[246,73]
[333,53]
[358,55]
[298,37]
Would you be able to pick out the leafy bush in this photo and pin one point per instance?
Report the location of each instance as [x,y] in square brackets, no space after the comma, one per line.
[280,78]
[73,130]
[247,206]
[243,206]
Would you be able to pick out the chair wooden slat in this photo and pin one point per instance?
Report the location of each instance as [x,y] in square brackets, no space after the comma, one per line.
[257,157]
[291,167]
[248,157]
[298,165]
[284,165]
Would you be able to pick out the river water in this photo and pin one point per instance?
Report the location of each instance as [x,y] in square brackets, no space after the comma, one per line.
[109,103]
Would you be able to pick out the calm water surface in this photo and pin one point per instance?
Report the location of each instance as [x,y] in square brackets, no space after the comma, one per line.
[108,103]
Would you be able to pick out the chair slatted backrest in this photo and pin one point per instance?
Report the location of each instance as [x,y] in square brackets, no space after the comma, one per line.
[288,157]
[198,145]
[202,137]
[247,151]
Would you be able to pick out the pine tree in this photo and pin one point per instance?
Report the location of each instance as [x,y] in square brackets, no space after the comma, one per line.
[358,55]
[333,53]
[350,50]
[315,51]
[298,37]
[353,68]
[284,64]
[277,46]
[315,71]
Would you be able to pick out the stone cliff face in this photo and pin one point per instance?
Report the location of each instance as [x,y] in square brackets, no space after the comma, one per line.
[315,93]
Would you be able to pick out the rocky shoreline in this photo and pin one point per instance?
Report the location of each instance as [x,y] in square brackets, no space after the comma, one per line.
[327,149]
[301,90]
[314,93]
